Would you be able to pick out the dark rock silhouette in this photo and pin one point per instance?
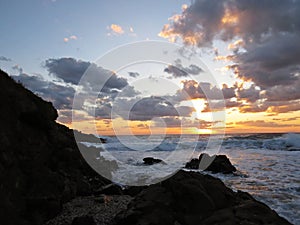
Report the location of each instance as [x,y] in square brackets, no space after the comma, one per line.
[215,164]
[151,161]
[40,164]
[192,198]
[81,137]
[103,140]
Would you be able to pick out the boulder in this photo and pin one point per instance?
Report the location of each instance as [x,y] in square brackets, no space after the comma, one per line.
[220,164]
[215,164]
[193,164]
[151,161]
[191,198]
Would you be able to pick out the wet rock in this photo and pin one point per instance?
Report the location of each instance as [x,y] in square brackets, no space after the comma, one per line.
[191,198]
[151,161]
[215,164]
[193,164]
[103,140]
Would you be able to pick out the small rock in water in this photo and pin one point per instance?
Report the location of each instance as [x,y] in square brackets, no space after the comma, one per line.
[103,140]
[151,161]
[193,164]
[218,164]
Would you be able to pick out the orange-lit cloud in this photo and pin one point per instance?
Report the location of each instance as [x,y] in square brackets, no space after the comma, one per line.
[116,29]
[263,123]
[224,58]
[236,44]
[229,18]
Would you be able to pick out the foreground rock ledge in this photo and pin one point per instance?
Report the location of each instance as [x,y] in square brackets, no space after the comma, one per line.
[190,198]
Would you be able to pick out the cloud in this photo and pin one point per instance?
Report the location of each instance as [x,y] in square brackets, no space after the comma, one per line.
[72,37]
[262,123]
[61,96]
[205,90]
[287,119]
[68,69]
[144,109]
[18,69]
[263,37]
[274,61]
[3,58]
[71,71]
[283,92]
[251,94]
[67,72]
[206,20]
[185,123]
[214,106]
[285,107]
[115,29]
[178,70]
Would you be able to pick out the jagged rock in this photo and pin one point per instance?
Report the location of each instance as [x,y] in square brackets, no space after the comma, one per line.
[215,164]
[103,140]
[151,161]
[193,164]
[40,164]
[191,198]
[220,164]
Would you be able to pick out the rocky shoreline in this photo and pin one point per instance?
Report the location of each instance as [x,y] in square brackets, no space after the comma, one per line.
[45,180]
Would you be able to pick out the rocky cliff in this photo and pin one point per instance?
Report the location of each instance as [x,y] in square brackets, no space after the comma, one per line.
[40,164]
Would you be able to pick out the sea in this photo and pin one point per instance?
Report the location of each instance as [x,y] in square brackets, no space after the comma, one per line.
[268,164]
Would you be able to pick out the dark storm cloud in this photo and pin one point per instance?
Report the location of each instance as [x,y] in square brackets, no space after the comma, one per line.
[206,20]
[147,108]
[178,70]
[143,109]
[276,61]
[204,90]
[3,58]
[60,96]
[68,69]
[71,71]
[250,94]
[265,47]
[283,92]
[103,111]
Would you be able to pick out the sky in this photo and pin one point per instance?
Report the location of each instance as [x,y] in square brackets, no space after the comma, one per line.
[250,48]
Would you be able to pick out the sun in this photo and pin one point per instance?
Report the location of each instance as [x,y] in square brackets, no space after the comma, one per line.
[199,105]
